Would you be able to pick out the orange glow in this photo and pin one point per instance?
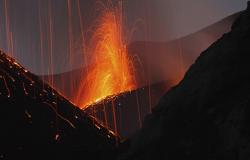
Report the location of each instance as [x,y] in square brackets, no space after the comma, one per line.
[111,69]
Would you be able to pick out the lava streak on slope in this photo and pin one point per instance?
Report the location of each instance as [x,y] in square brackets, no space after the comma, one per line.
[111,71]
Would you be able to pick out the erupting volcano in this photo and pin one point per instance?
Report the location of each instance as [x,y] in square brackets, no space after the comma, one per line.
[111,71]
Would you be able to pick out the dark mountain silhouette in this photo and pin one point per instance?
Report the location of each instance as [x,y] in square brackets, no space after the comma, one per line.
[170,60]
[38,123]
[206,116]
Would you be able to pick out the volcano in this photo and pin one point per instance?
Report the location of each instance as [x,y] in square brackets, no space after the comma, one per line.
[192,45]
[132,107]
[38,122]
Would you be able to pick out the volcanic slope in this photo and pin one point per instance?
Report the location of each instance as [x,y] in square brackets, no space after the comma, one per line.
[207,115]
[37,122]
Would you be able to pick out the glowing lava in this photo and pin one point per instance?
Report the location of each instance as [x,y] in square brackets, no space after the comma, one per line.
[111,69]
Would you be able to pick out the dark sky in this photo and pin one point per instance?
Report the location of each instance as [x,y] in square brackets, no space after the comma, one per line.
[153,20]
[169,19]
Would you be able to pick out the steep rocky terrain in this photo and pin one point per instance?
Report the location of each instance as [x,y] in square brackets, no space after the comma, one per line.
[36,122]
[207,115]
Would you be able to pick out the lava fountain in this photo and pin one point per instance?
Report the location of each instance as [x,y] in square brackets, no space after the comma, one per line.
[111,71]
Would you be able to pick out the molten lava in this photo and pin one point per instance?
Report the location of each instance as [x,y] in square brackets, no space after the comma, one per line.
[111,69]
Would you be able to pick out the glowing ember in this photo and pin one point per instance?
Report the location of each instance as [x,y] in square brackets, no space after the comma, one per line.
[111,69]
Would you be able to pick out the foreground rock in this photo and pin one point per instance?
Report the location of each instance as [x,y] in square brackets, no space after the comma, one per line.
[206,116]
[38,123]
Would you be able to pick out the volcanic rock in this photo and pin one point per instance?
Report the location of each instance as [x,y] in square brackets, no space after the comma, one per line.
[207,115]
[38,123]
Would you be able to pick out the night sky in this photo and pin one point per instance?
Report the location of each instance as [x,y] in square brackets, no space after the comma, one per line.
[153,20]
